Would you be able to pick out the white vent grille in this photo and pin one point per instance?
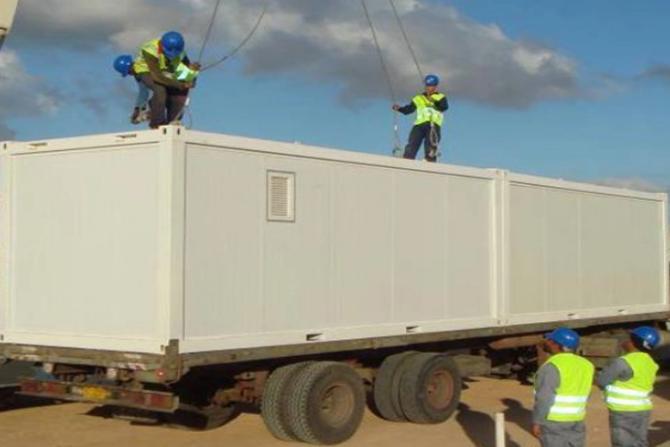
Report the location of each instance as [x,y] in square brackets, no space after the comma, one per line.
[281,196]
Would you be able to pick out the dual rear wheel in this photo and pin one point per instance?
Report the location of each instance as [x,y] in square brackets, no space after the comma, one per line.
[314,402]
[324,402]
[423,388]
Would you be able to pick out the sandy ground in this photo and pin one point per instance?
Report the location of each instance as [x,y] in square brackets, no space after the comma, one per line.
[73,425]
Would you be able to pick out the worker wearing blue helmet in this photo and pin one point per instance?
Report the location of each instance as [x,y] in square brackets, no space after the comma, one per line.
[124,64]
[429,107]
[163,66]
[562,387]
[628,382]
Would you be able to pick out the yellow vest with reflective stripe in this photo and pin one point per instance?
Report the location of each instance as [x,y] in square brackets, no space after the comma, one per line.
[426,111]
[633,394]
[153,48]
[576,380]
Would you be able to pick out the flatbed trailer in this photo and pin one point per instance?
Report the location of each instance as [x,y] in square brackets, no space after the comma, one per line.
[174,269]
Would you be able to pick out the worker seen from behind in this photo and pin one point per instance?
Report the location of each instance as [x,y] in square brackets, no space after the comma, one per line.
[124,65]
[163,66]
[628,382]
[429,107]
[562,387]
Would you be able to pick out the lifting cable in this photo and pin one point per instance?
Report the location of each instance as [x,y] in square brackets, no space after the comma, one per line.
[387,75]
[205,42]
[242,44]
[407,41]
[210,27]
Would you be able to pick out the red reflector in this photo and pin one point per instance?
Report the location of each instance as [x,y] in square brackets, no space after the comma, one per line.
[30,387]
[54,388]
[160,401]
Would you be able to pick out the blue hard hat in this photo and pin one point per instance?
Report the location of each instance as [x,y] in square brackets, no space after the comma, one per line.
[432,80]
[123,64]
[565,337]
[649,336]
[173,44]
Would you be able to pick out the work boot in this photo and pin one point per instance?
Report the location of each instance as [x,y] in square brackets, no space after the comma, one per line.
[135,117]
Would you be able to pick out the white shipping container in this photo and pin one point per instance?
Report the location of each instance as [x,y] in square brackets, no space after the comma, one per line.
[126,242]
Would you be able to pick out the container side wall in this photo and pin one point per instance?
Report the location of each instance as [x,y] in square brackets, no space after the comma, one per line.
[363,275]
[371,251]
[580,253]
[224,242]
[84,248]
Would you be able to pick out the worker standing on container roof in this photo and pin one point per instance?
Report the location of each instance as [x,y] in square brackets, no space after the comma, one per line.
[628,382]
[429,107]
[562,387]
[124,65]
[163,66]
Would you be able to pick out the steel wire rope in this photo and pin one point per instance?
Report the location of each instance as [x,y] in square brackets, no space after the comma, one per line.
[186,109]
[210,27]
[387,75]
[408,42]
[246,40]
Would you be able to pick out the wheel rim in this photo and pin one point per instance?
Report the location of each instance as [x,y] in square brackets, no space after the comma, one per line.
[337,404]
[440,389]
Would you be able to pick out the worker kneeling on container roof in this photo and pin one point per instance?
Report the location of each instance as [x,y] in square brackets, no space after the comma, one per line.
[562,387]
[628,382]
[124,64]
[163,66]
[429,107]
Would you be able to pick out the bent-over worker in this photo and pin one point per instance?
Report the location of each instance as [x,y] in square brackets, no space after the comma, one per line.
[163,66]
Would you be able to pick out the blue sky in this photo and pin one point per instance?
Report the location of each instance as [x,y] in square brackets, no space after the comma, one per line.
[591,115]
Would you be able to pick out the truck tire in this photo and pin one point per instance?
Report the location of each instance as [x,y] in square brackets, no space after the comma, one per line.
[327,403]
[430,388]
[275,399]
[386,388]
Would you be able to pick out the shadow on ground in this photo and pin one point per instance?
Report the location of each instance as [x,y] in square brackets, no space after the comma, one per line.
[662,388]
[181,419]
[659,434]
[10,401]
[517,414]
[480,426]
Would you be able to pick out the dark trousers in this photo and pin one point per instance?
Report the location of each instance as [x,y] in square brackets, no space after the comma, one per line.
[629,429]
[421,134]
[563,434]
[167,103]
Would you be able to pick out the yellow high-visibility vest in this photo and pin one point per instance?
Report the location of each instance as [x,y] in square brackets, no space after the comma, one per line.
[426,111]
[633,394]
[576,377]
[153,49]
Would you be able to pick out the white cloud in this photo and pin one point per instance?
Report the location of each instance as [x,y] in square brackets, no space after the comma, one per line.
[21,94]
[333,42]
[326,41]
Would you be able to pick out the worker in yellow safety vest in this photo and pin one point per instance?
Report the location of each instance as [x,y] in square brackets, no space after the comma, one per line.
[562,387]
[429,107]
[628,382]
[163,66]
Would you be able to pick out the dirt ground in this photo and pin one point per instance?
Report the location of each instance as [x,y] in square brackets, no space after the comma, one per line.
[76,425]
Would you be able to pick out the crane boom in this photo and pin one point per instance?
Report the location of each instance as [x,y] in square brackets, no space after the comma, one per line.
[7,12]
